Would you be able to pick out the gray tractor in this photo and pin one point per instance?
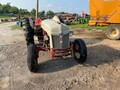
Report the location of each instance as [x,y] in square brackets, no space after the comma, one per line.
[53,37]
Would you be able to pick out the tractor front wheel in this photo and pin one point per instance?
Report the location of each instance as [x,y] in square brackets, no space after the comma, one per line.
[79,50]
[32,58]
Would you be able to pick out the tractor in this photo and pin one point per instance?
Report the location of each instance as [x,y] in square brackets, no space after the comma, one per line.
[54,37]
[106,13]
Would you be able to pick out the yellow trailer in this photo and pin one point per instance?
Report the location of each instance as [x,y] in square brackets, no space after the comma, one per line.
[106,12]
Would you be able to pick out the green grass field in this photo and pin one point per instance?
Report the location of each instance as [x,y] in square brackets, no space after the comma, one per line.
[77,26]
[15,27]
[80,26]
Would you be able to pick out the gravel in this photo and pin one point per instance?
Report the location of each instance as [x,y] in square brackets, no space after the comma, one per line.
[100,72]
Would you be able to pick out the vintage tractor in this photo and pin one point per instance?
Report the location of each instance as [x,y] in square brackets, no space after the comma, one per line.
[53,36]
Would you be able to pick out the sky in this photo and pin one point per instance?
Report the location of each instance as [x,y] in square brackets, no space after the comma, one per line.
[71,6]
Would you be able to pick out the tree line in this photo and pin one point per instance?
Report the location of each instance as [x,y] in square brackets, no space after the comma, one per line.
[8,9]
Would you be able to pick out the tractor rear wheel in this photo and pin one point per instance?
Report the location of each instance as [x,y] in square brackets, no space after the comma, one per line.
[113,32]
[32,58]
[79,50]
[28,31]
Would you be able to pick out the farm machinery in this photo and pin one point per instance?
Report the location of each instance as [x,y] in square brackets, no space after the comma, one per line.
[106,12]
[53,37]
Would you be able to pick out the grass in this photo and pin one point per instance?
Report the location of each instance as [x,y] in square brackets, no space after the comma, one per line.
[99,28]
[80,26]
[77,26]
[2,16]
[2,22]
[14,27]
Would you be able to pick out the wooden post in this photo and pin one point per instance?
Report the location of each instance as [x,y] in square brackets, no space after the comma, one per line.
[37,8]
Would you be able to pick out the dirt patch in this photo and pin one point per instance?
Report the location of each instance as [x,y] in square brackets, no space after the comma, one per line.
[100,72]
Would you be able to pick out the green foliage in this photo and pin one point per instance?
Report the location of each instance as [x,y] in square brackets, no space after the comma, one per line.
[50,14]
[23,11]
[41,14]
[33,12]
[1,8]
[14,10]
[62,12]
[5,8]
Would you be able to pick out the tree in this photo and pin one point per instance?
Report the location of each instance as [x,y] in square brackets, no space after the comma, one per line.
[0,8]
[75,14]
[14,10]
[50,14]
[41,14]
[62,12]
[33,12]
[6,8]
[23,11]
[26,11]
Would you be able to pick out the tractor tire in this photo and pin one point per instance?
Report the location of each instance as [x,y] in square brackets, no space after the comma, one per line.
[113,32]
[28,32]
[32,58]
[79,51]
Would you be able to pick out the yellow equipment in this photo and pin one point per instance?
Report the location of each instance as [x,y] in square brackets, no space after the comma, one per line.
[106,12]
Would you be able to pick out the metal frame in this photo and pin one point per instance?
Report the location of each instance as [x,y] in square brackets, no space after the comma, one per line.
[55,52]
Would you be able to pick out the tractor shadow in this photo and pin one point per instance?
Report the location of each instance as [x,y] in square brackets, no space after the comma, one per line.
[54,65]
[47,65]
[101,54]
[97,55]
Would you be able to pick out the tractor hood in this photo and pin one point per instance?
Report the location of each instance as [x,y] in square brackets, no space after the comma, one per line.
[57,32]
[53,27]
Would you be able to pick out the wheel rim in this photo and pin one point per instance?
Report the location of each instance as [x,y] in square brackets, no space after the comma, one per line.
[77,54]
[77,51]
[114,33]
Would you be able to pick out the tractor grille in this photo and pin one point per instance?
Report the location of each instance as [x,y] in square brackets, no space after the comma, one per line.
[60,42]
